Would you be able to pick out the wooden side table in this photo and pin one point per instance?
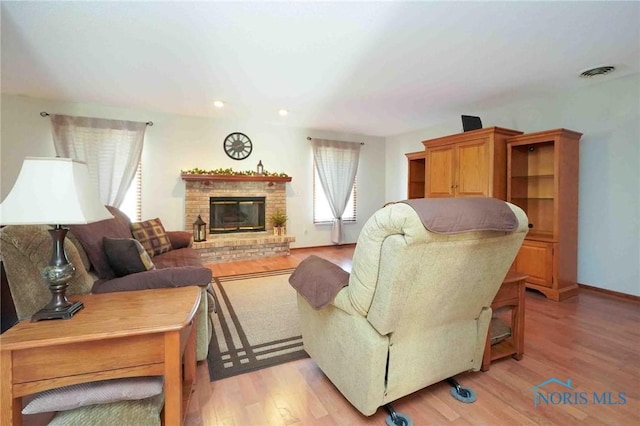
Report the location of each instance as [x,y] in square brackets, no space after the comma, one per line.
[511,294]
[125,334]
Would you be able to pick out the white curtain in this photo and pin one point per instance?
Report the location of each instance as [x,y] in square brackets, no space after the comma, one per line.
[337,165]
[111,149]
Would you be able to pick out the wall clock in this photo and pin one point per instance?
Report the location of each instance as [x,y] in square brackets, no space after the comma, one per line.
[237,146]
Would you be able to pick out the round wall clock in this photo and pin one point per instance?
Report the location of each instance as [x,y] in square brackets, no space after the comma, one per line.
[237,146]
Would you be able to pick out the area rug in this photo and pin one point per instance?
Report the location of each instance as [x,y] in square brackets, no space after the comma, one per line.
[256,324]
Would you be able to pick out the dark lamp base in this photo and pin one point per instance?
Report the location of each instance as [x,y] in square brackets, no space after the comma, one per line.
[64,313]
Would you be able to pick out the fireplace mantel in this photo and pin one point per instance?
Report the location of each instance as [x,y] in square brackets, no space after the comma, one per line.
[229,178]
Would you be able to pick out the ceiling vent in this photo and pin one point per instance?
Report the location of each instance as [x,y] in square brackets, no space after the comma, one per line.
[597,71]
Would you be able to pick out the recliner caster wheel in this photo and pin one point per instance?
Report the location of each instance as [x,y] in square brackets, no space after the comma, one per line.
[463,394]
[400,420]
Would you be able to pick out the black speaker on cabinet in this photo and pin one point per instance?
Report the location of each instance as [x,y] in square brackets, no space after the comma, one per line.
[470,122]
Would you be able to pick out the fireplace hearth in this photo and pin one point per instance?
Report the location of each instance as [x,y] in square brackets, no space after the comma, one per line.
[236,214]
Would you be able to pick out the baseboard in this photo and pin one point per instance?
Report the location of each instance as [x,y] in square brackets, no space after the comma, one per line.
[611,292]
[322,247]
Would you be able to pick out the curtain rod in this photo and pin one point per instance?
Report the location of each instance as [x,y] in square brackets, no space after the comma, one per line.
[46,114]
[309,138]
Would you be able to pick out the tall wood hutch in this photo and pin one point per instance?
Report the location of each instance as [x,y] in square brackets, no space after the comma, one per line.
[536,171]
[416,174]
[542,179]
[469,164]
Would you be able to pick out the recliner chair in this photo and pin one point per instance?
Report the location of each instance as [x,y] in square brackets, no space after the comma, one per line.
[416,309]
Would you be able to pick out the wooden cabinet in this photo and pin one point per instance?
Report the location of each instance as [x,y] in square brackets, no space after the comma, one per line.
[469,164]
[542,178]
[536,258]
[416,174]
[440,181]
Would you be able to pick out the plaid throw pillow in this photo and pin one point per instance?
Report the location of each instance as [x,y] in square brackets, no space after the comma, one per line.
[152,236]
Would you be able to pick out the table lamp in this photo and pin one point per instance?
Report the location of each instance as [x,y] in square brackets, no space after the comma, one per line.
[57,192]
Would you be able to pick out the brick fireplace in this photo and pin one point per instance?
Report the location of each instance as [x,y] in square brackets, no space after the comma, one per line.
[242,245]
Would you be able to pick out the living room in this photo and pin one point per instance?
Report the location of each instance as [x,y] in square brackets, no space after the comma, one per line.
[605,109]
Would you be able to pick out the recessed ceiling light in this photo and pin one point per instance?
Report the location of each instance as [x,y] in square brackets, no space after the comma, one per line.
[597,71]
[218,104]
[283,112]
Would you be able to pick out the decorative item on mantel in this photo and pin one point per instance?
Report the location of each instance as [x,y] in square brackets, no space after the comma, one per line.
[199,230]
[233,175]
[230,172]
[260,168]
[278,220]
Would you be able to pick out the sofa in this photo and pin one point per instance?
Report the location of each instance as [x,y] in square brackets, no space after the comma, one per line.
[108,258]
[416,306]
[26,251]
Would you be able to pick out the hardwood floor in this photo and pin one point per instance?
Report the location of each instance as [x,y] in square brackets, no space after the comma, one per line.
[340,255]
[593,340]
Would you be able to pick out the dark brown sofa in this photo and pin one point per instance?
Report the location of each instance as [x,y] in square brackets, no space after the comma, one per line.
[177,267]
[26,250]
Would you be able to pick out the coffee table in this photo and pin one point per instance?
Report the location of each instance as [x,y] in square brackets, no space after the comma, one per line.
[125,334]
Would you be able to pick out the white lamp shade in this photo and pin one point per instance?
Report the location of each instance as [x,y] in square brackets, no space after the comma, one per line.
[53,191]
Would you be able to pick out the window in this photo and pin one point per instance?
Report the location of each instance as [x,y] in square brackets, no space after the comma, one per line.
[322,211]
[131,206]
[112,150]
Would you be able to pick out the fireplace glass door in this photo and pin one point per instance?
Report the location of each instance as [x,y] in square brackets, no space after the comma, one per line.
[236,214]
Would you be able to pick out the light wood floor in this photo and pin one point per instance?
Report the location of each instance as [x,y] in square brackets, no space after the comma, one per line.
[340,255]
[592,339]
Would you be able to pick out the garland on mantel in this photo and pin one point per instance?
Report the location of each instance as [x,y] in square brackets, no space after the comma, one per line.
[230,172]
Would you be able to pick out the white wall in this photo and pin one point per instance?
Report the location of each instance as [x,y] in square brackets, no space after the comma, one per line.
[178,143]
[608,115]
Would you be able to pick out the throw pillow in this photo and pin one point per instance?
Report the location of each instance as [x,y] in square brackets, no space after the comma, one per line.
[100,392]
[127,256]
[91,235]
[152,236]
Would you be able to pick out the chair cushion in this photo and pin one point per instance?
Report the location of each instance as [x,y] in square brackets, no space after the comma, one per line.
[177,258]
[158,278]
[91,237]
[86,263]
[26,250]
[100,392]
[152,236]
[140,412]
[318,280]
[127,256]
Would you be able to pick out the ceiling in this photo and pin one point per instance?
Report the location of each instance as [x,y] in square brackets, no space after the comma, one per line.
[374,68]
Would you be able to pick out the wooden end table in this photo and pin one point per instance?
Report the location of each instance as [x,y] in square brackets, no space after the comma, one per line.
[125,334]
[511,294]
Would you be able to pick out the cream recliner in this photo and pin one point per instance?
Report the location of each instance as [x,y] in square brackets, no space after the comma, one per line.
[416,309]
